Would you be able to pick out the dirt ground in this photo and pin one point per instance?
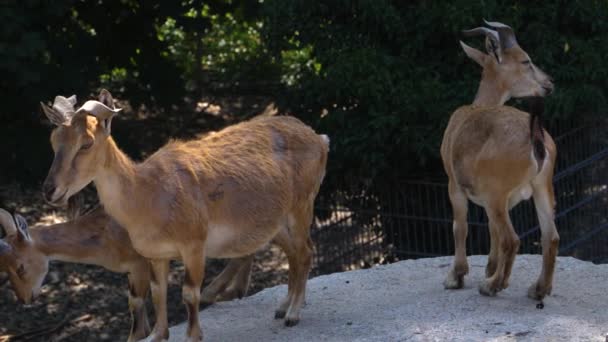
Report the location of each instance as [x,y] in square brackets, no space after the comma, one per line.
[86,303]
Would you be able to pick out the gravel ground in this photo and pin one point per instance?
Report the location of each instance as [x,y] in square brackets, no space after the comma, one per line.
[405,301]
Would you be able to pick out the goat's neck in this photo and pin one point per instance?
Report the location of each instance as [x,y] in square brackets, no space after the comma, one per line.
[116,182]
[68,242]
[490,93]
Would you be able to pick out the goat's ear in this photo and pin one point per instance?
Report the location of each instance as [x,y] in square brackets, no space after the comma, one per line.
[493,48]
[106,98]
[22,227]
[72,100]
[474,54]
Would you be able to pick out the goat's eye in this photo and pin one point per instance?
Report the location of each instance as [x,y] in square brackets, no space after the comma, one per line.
[86,146]
[526,62]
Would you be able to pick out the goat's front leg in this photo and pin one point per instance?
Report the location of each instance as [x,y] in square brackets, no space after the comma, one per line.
[543,201]
[193,257]
[139,283]
[232,283]
[160,273]
[459,201]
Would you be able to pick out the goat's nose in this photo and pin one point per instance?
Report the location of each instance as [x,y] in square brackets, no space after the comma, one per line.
[48,189]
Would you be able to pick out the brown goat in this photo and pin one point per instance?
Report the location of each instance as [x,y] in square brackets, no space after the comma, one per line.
[93,239]
[496,156]
[222,196]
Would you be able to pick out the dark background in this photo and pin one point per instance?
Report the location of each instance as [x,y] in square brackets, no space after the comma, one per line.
[379,77]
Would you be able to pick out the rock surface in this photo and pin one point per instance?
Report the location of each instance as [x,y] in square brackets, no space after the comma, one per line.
[405,301]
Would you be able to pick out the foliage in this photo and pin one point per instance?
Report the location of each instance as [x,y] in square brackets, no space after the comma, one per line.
[391,72]
[381,77]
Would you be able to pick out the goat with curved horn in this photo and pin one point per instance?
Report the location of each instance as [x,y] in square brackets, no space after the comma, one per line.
[496,156]
[224,195]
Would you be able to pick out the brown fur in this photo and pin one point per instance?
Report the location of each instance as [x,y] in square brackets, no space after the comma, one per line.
[268,171]
[93,239]
[488,155]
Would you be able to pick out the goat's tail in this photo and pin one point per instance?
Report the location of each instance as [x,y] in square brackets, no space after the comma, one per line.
[537,135]
[325,139]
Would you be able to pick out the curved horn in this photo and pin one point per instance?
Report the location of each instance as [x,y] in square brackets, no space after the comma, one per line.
[8,222]
[478,31]
[505,32]
[98,109]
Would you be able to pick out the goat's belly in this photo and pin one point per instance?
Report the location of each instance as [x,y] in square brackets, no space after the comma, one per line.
[225,241]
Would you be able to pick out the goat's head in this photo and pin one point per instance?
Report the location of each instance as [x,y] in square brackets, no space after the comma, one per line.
[506,63]
[78,142]
[25,264]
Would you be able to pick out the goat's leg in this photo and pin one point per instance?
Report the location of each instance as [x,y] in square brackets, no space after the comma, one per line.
[302,260]
[238,286]
[232,282]
[158,286]
[493,255]
[513,249]
[139,283]
[193,257]
[283,240]
[459,201]
[508,244]
[544,202]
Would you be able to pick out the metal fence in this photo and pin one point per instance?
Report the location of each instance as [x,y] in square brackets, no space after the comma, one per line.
[360,226]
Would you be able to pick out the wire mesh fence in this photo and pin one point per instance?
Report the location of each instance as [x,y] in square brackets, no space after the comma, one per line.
[359,226]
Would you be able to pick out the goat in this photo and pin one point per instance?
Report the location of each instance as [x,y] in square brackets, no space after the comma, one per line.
[222,196]
[93,239]
[497,156]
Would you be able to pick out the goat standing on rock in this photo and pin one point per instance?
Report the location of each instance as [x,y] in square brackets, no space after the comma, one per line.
[497,156]
[222,196]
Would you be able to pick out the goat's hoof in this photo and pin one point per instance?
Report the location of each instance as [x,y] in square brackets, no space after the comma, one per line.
[155,337]
[279,314]
[538,292]
[487,290]
[453,281]
[197,338]
[290,322]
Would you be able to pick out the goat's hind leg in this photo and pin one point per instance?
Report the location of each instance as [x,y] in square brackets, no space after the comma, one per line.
[507,246]
[296,243]
[544,202]
[459,201]
[231,283]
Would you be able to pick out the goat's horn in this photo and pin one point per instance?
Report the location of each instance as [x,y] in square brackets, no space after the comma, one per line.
[98,109]
[478,31]
[8,222]
[505,32]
